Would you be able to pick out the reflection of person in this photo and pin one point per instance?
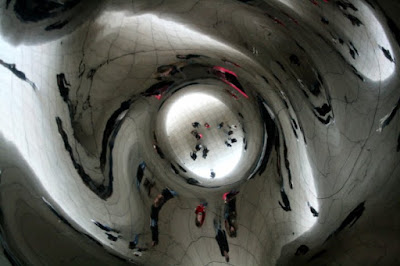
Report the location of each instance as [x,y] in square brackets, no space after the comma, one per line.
[154,211]
[230,212]
[159,201]
[230,217]
[220,236]
[205,152]
[200,214]
[212,174]
[230,226]
[229,195]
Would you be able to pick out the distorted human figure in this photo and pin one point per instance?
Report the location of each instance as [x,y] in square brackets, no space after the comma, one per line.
[198,147]
[230,195]
[205,152]
[212,174]
[154,211]
[165,195]
[200,212]
[230,212]
[220,236]
[196,134]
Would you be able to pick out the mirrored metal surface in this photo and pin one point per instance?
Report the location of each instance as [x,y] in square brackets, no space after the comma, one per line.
[199,132]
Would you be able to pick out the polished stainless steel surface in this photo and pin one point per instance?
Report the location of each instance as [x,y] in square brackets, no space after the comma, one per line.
[146,132]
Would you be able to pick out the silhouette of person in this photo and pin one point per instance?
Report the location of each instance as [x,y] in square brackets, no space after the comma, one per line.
[220,236]
[205,152]
[165,195]
[230,212]
[154,211]
[212,174]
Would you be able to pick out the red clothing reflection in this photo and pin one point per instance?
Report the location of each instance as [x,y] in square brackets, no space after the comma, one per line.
[200,211]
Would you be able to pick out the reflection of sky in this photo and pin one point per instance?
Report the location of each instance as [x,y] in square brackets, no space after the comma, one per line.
[202,107]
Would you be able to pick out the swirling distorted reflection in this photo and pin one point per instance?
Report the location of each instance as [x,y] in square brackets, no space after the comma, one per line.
[198,132]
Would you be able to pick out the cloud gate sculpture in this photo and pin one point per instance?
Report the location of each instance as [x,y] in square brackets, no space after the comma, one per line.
[180,132]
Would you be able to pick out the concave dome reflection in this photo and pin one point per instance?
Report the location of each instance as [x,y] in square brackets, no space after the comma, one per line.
[186,108]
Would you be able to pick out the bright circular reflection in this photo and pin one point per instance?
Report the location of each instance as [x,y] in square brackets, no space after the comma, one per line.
[223,155]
